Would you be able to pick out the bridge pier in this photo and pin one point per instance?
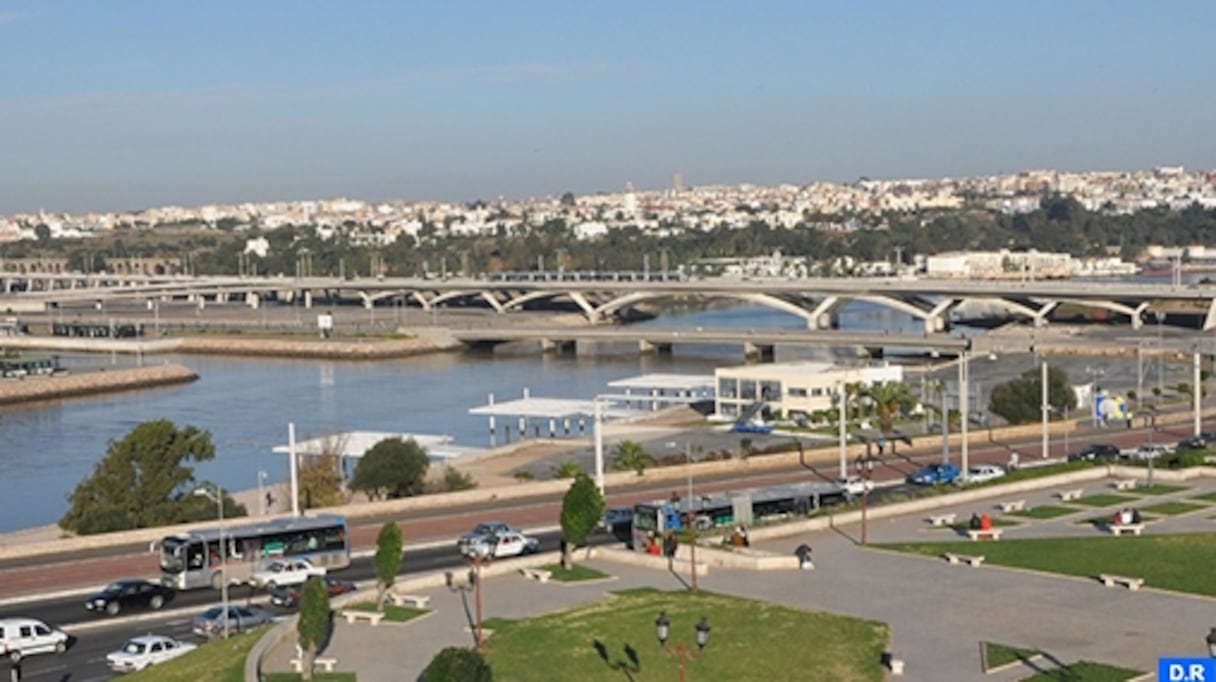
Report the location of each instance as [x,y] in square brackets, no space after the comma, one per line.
[759,351]
[253,300]
[307,299]
[651,348]
[559,346]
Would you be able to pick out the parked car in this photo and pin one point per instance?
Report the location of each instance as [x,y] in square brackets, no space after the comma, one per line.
[511,543]
[984,472]
[1193,443]
[21,637]
[211,622]
[482,530]
[934,474]
[1101,452]
[1149,451]
[121,595]
[289,596]
[140,652]
[286,572]
[854,485]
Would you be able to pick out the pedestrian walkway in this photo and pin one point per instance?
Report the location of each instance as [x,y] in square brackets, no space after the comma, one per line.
[938,613]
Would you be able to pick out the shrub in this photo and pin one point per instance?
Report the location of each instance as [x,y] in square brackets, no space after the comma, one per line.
[457,664]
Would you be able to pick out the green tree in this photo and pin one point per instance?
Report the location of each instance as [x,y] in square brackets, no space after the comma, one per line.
[458,664]
[320,481]
[143,480]
[1019,400]
[630,456]
[582,509]
[455,480]
[392,468]
[312,628]
[388,559]
[890,400]
[567,469]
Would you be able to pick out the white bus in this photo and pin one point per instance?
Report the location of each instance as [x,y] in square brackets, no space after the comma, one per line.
[193,560]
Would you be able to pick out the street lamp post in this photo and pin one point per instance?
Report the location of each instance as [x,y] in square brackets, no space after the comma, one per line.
[476,560]
[262,476]
[691,515]
[680,650]
[865,469]
[218,496]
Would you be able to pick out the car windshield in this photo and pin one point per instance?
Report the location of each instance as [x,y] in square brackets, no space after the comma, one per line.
[213,613]
[133,647]
[112,587]
[276,567]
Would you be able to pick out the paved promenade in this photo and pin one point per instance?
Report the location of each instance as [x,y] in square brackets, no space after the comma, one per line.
[938,613]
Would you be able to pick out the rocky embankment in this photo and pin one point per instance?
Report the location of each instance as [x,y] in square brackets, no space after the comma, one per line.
[354,349]
[32,388]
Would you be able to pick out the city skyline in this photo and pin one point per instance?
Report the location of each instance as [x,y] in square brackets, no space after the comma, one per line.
[126,105]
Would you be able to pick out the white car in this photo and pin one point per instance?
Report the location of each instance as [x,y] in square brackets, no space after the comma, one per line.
[1152,451]
[20,637]
[510,543]
[140,652]
[984,472]
[286,572]
[855,485]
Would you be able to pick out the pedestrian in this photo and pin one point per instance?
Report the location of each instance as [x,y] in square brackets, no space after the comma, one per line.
[803,552]
[1014,457]
[670,545]
[974,524]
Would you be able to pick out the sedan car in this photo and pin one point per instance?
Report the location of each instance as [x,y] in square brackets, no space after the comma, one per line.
[854,485]
[286,572]
[507,544]
[140,652]
[289,597]
[121,595]
[934,474]
[984,473]
[482,530]
[211,622]
[1096,452]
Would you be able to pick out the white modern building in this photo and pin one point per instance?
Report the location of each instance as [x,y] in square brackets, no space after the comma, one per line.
[790,388]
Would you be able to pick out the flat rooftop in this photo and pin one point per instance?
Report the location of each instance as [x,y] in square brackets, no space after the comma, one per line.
[551,408]
[356,443]
[675,382]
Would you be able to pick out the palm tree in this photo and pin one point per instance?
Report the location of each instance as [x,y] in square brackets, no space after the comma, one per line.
[890,399]
[630,455]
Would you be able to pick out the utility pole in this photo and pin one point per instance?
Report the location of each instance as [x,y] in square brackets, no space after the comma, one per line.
[1046,409]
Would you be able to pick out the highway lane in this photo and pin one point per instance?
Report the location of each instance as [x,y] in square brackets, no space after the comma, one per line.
[57,572]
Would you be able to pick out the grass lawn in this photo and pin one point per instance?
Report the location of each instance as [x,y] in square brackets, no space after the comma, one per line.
[1159,489]
[1174,508]
[395,614]
[998,655]
[577,573]
[316,677]
[614,640]
[1047,511]
[1206,497]
[1085,671]
[216,661]
[1172,562]
[1103,500]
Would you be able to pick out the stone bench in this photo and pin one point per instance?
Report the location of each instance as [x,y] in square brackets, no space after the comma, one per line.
[538,574]
[373,617]
[1070,495]
[1128,484]
[943,519]
[1111,580]
[990,534]
[1121,528]
[970,559]
[412,600]
[327,663]
[1016,505]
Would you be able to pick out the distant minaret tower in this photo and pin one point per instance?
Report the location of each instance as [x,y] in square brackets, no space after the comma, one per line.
[677,181]
[631,200]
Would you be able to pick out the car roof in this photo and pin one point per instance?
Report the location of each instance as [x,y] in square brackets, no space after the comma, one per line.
[148,639]
[20,620]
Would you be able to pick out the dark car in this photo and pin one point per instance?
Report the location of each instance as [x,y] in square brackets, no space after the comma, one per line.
[1194,443]
[288,596]
[128,594]
[1096,452]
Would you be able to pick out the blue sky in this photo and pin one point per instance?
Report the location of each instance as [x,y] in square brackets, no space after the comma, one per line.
[125,104]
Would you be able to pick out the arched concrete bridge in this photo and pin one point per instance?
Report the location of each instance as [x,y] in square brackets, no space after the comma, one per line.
[817,301]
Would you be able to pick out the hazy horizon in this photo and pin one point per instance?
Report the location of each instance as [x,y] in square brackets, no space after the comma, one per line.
[133,104]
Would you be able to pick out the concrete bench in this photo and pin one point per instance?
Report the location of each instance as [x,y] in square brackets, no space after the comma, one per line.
[942,519]
[412,600]
[327,663]
[1121,528]
[1128,484]
[373,617]
[1016,505]
[1111,580]
[538,574]
[990,534]
[1070,495]
[969,559]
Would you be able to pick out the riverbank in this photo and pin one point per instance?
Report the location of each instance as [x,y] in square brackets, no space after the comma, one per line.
[37,388]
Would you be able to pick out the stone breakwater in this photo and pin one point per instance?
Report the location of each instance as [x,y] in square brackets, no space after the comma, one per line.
[355,349]
[55,387]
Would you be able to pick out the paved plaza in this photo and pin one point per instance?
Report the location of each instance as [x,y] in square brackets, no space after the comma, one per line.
[938,613]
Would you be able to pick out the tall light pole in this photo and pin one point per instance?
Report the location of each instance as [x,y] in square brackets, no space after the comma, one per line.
[473,585]
[262,476]
[1196,390]
[865,469]
[964,407]
[218,496]
[691,515]
[843,399]
[1160,315]
[1045,407]
[682,652]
